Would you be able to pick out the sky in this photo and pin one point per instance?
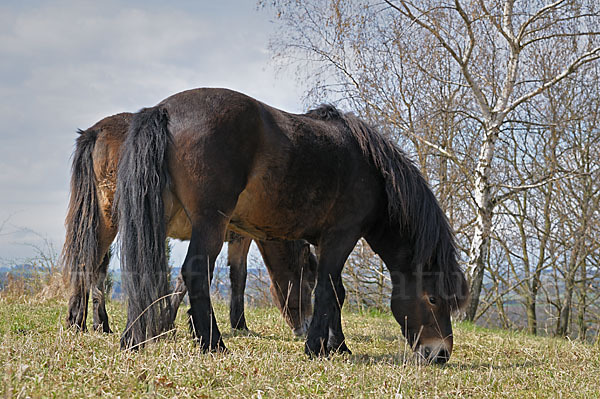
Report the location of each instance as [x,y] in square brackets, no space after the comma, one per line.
[67,64]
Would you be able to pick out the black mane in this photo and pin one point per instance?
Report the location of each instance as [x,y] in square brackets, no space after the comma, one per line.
[412,206]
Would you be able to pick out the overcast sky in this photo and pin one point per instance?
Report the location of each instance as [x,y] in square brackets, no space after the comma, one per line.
[67,64]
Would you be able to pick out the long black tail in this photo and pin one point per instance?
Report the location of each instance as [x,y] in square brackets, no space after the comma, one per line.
[80,251]
[141,180]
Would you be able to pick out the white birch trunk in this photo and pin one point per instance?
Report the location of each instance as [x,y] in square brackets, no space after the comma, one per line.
[480,243]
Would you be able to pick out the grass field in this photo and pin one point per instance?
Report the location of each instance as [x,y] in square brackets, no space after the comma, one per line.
[39,358]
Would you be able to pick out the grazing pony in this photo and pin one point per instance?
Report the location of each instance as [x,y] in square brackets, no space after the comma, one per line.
[227,160]
[91,226]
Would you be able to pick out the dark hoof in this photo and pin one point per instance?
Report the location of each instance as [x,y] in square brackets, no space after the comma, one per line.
[129,343]
[74,325]
[103,328]
[241,328]
[221,349]
[244,333]
[340,349]
[218,347]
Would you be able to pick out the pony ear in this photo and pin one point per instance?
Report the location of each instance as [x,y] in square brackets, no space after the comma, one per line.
[454,289]
[461,289]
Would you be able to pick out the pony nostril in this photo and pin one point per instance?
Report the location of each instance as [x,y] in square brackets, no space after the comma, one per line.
[435,355]
[303,329]
[426,352]
[442,357]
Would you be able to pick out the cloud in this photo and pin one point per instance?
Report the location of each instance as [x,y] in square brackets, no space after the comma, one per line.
[66,65]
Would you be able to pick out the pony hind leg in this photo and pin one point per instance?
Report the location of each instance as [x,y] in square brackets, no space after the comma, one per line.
[291,266]
[91,275]
[209,171]
[206,241]
[99,299]
[177,298]
[237,253]
[78,302]
[78,306]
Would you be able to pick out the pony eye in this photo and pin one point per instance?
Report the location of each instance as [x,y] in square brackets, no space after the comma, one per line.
[432,300]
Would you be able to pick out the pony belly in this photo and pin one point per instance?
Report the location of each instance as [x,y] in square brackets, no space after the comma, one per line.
[179,225]
[264,216]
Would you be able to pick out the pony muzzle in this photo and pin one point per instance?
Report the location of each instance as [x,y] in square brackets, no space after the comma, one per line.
[434,352]
[302,330]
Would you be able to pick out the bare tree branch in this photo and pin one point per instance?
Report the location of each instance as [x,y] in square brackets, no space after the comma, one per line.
[571,68]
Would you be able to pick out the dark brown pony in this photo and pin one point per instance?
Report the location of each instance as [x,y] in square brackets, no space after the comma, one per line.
[91,227]
[228,160]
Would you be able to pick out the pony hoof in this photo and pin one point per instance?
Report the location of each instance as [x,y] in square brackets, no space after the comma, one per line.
[129,344]
[103,329]
[217,350]
[240,329]
[72,325]
[341,349]
[219,347]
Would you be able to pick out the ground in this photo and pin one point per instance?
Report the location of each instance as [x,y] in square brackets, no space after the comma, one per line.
[39,358]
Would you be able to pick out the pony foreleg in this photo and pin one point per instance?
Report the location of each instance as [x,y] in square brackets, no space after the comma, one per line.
[197,271]
[318,332]
[337,341]
[176,299]
[329,297]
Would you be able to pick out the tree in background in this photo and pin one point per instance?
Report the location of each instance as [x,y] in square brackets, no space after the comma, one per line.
[367,282]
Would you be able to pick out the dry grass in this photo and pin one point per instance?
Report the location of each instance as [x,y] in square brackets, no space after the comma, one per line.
[41,286]
[38,358]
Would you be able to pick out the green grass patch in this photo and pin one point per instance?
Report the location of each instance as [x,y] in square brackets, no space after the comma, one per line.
[39,358]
